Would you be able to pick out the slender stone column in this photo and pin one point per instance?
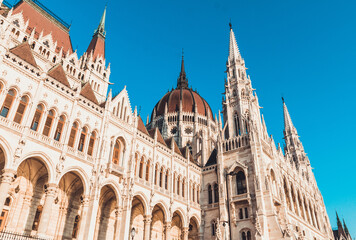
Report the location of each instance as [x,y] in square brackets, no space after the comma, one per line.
[118,213]
[51,192]
[185,233]
[168,227]
[147,230]
[7,178]
[83,218]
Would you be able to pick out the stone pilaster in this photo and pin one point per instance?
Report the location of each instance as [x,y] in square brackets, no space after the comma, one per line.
[50,195]
[147,227]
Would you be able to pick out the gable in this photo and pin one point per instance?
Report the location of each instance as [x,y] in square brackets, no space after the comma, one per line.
[88,93]
[58,73]
[24,52]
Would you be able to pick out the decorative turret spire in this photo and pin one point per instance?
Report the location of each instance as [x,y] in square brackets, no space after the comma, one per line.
[101,28]
[182,81]
[345,228]
[234,52]
[97,44]
[288,125]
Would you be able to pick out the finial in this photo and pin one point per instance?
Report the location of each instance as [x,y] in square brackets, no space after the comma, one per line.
[230,24]
[283,99]
[182,53]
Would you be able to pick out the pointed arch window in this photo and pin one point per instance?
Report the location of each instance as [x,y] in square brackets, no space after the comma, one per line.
[178,187]
[148,166]
[82,139]
[59,129]
[8,103]
[248,235]
[183,188]
[73,133]
[210,194]
[166,180]
[241,183]
[213,229]
[244,236]
[21,110]
[37,118]
[76,226]
[116,153]
[36,221]
[216,193]
[91,143]
[156,174]
[48,123]
[161,177]
[237,125]
[136,164]
[141,168]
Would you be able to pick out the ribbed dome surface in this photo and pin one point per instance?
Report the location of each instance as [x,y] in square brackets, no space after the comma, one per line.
[189,99]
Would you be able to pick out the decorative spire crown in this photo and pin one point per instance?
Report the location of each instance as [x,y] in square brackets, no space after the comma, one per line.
[288,125]
[182,81]
[101,28]
[234,51]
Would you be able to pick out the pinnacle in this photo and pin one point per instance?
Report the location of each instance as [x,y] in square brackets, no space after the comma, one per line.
[288,125]
[182,81]
[234,51]
[101,27]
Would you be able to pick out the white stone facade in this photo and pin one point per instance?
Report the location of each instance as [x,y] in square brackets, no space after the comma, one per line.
[74,168]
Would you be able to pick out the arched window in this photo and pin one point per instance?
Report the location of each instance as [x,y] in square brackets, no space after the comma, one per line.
[148,166]
[36,221]
[183,188]
[73,134]
[59,129]
[213,229]
[241,183]
[48,123]
[237,125]
[91,143]
[156,174]
[248,235]
[4,213]
[193,193]
[274,184]
[216,193]
[166,180]
[82,138]
[141,168]
[116,153]
[178,187]
[37,118]
[76,226]
[8,103]
[21,110]
[174,182]
[243,236]
[161,177]
[210,194]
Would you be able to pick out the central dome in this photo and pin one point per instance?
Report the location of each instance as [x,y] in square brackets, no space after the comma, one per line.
[191,101]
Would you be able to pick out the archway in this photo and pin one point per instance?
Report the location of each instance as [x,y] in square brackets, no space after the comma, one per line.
[158,221]
[177,226]
[68,209]
[193,233]
[26,209]
[137,218]
[107,222]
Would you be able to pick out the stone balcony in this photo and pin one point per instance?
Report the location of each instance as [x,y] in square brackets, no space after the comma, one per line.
[241,198]
[235,143]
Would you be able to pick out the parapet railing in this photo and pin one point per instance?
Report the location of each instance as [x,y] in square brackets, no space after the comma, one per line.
[235,143]
[7,235]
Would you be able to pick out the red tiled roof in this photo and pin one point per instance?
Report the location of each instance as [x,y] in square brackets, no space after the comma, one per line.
[58,73]
[24,52]
[141,126]
[160,138]
[97,45]
[88,93]
[42,21]
[169,144]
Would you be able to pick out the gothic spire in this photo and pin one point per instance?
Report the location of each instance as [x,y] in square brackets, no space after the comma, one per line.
[182,81]
[101,27]
[288,125]
[234,52]
[97,44]
[345,228]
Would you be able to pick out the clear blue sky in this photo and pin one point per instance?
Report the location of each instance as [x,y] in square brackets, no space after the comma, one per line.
[303,50]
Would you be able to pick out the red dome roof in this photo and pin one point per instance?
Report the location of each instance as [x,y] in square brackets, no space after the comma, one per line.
[189,99]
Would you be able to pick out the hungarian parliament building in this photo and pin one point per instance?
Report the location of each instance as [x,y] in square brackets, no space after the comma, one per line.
[78,162]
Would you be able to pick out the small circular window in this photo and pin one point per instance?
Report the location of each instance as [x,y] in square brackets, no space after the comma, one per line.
[174,130]
[188,130]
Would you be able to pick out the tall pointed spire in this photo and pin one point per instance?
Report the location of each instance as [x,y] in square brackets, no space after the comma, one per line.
[97,44]
[288,125]
[234,52]
[101,27]
[345,228]
[182,81]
